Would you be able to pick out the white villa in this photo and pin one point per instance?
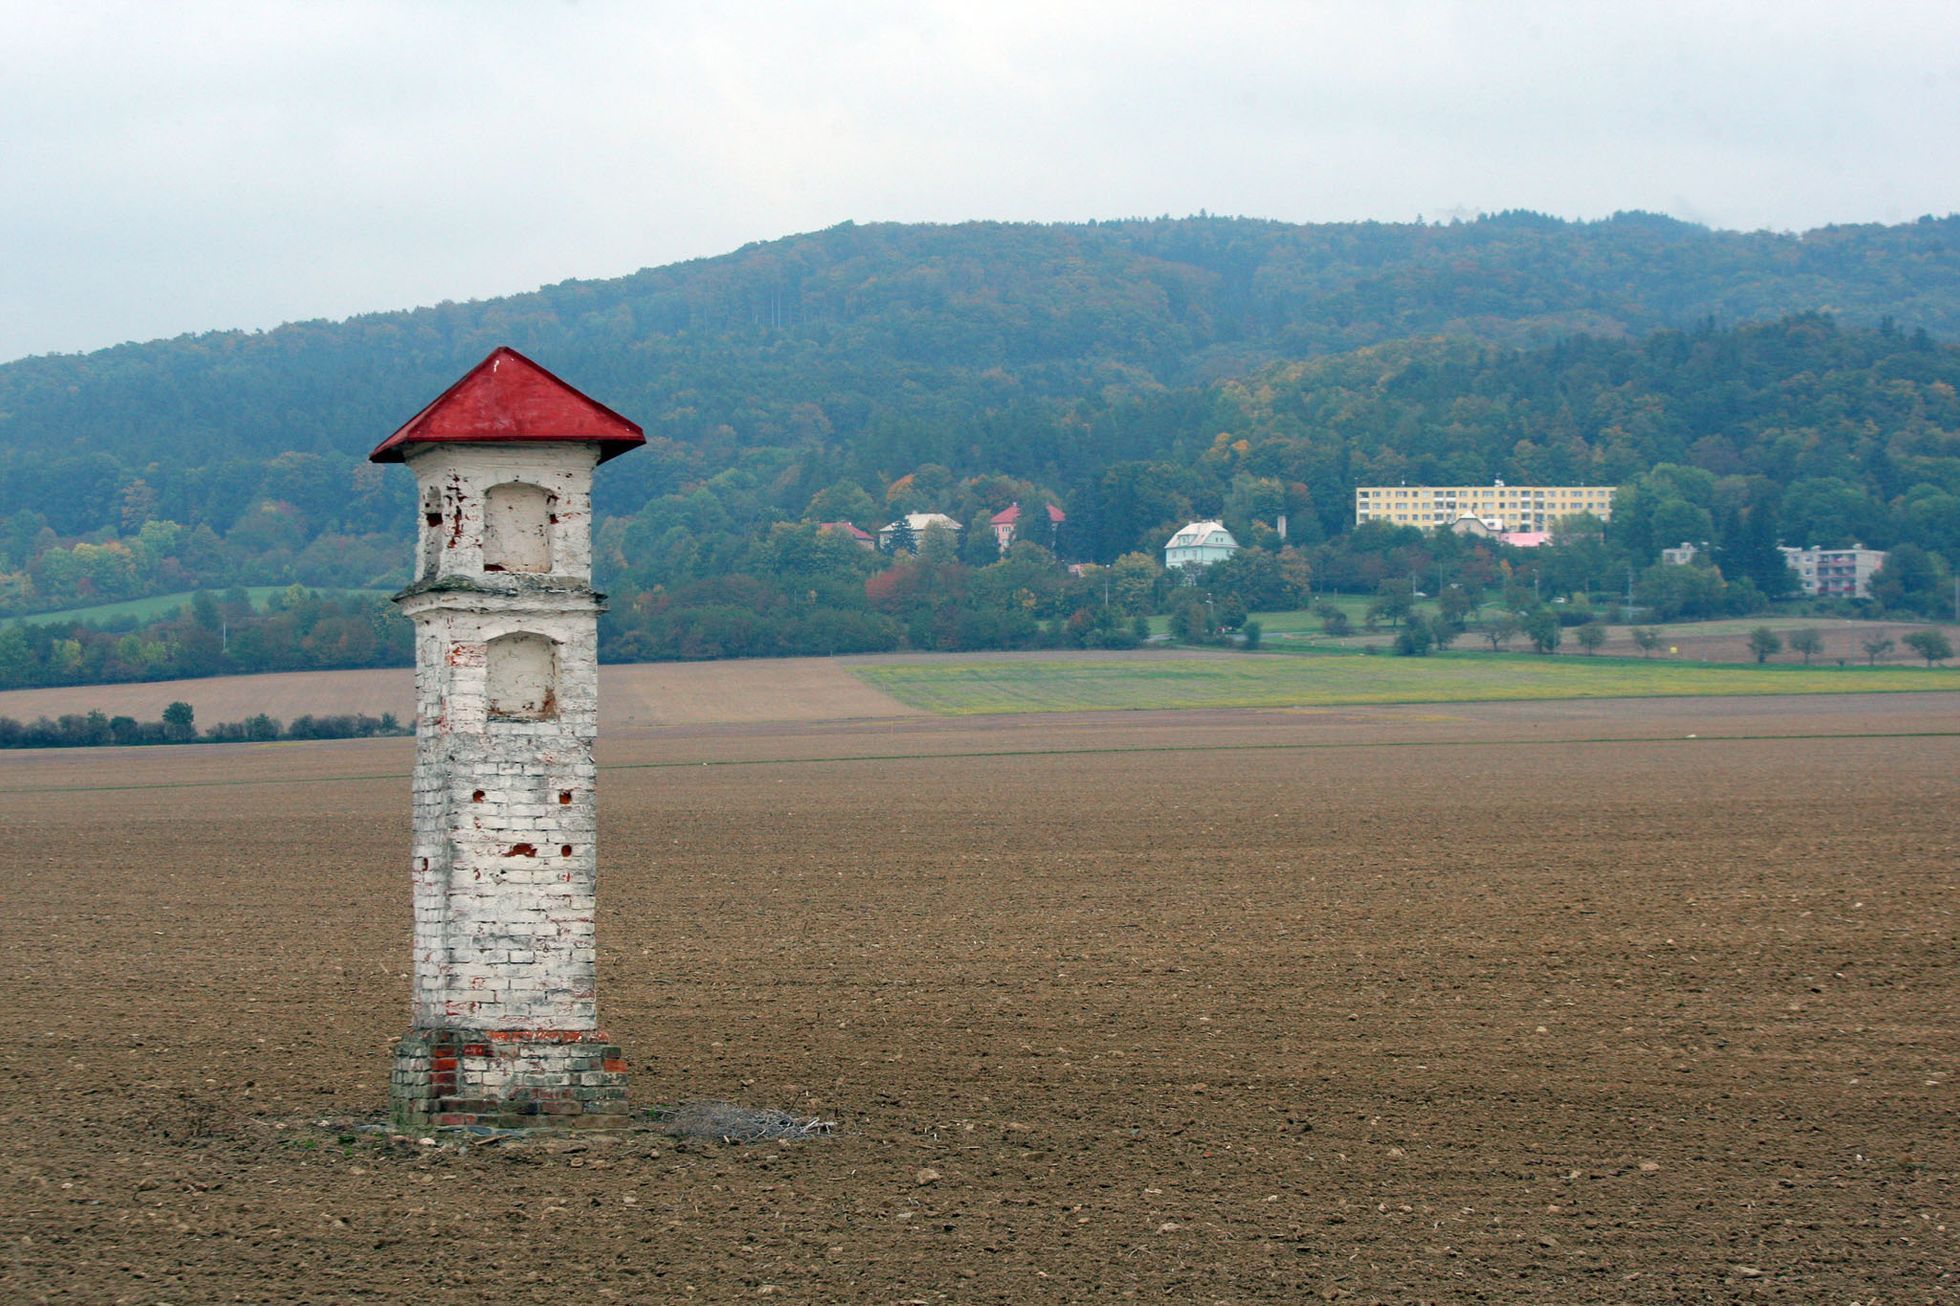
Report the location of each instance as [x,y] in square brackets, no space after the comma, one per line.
[1199,545]
[918,523]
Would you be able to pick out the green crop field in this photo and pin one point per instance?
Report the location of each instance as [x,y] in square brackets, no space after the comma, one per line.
[1302,621]
[1292,629]
[959,688]
[151,609]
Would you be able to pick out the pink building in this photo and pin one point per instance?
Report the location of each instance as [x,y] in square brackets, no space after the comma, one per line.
[863,539]
[1007,522]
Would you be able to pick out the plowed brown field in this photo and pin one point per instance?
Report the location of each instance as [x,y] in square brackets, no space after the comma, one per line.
[1569,1002]
[648,694]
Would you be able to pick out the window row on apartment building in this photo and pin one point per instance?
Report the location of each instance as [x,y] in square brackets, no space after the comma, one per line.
[1835,573]
[1498,506]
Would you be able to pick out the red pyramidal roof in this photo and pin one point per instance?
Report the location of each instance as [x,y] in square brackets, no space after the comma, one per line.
[1012,513]
[507,398]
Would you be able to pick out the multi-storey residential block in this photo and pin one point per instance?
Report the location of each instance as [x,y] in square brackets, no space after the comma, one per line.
[1500,507]
[1835,573]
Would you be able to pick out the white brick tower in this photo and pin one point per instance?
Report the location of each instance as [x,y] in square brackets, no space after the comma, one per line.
[505,1030]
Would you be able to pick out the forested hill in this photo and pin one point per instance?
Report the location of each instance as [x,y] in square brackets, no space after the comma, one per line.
[902,344]
[1797,429]
[864,371]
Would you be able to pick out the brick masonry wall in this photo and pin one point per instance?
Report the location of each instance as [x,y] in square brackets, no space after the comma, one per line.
[504,864]
[505,1080]
[453,482]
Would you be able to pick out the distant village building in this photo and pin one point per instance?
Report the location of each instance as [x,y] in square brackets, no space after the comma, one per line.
[1006,524]
[1199,545]
[1492,528]
[917,523]
[1497,507]
[1681,554]
[1835,573]
[863,539]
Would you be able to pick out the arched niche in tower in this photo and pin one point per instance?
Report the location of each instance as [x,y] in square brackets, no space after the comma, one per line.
[517,528]
[521,677]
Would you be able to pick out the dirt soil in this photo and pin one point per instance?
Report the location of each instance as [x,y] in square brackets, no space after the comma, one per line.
[657,695]
[1840,641]
[632,696]
[635,695]
[1564,1002]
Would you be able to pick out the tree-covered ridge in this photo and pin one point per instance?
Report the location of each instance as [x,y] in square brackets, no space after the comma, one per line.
[1138,374]
[213,635]
[1843,433]
[972,345]
[1849,433]
[1797,431]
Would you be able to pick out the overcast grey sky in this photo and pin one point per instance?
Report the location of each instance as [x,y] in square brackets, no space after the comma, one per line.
[183,165]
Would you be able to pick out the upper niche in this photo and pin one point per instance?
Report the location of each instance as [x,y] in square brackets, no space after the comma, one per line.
[517,528]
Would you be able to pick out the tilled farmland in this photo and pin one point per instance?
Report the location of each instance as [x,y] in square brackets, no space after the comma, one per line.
[1616,1001]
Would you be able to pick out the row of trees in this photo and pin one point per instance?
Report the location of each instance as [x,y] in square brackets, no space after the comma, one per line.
[178,725]
[801,589]
[1933,645]
[299,630]
[273,544]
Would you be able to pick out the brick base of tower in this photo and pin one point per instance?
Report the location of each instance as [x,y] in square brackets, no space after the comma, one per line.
[508,1079]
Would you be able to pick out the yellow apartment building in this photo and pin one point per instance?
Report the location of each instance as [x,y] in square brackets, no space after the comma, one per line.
[1501,507]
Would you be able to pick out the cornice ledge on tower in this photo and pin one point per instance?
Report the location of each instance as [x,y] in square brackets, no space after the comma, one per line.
[504,586]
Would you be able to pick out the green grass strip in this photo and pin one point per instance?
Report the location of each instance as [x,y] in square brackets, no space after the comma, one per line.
[159,605]
[1280,681]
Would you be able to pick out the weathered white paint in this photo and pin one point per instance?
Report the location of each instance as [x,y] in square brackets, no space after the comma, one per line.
[521,677]
[517,527]
[507,703]
[458,478]
[428,553]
